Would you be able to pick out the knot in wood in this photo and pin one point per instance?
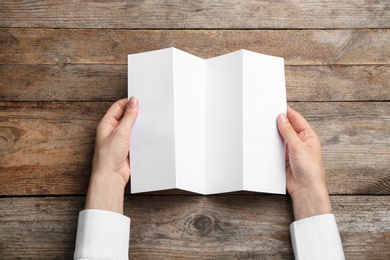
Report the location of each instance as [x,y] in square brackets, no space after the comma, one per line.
[200,224]
[203,223]
[8,137]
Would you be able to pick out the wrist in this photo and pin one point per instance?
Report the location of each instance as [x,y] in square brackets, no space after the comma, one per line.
[105,193]
[311,202]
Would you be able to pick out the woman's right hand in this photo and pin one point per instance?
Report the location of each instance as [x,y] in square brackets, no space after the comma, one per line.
[305,175]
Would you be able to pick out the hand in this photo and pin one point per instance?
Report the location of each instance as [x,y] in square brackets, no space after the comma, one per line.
[110,165]
[305,173]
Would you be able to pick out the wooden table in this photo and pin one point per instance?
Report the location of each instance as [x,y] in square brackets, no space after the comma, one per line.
[62,64]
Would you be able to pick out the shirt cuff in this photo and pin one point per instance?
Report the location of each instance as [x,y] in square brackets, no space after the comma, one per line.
[102,235]
[316,237]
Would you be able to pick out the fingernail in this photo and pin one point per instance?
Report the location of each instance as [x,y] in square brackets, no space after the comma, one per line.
[133,102]
[283,118]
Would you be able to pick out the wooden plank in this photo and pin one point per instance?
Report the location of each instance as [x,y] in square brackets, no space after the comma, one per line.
[40,228]
[193,227]
[63,83]
[195,14]
[212,227]
[46,147]
[298,47]
[79,82]
[338,83]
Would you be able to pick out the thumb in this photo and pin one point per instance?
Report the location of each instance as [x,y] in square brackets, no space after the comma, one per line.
[287,131]
[130,114]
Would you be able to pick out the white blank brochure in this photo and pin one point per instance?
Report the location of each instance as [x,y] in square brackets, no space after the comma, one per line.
[207,126]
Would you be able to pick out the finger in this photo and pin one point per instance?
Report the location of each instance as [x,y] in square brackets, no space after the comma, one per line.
[130,115]
[297,121]
[287,131]
[116,110]
[110,120]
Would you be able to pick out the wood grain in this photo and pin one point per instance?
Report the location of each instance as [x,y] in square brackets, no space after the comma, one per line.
[195,14]
[38,228]
[63,83]
[79,82]
[338,83]
[193,227]
[46,147]
[297,47]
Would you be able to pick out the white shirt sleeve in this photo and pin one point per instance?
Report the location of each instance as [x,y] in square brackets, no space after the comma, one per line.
[316,238]
[102,235]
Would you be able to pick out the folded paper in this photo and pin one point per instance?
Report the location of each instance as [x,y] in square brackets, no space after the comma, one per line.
[207,126]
